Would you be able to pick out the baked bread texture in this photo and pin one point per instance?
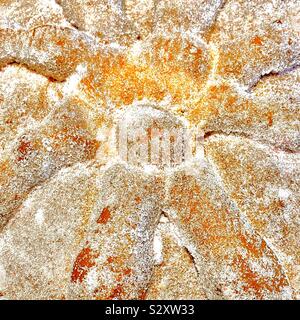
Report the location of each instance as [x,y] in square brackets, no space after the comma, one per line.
[79,219]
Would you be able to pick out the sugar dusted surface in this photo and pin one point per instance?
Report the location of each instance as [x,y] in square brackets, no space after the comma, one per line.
[78,222]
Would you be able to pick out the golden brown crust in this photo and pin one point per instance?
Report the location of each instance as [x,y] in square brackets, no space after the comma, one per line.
[273,204]
[69,72]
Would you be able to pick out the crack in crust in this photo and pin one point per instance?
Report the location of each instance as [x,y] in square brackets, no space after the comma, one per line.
[192,75]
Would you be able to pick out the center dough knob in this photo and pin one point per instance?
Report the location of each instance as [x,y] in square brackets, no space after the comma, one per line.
[146,135]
